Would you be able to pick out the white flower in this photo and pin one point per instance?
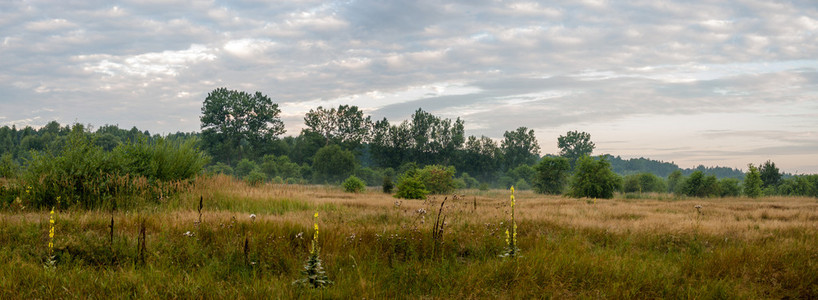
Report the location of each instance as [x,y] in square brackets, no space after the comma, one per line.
[253,217]
[189,233]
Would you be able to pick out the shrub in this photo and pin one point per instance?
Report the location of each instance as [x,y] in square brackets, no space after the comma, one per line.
[83,173]
[8,167]
[730,187]
[220,168]
[594,179]
[411,188]
[244,167]
[643,183]
[522,185]
[387,184]
[437,179]
[470,182]
[483,187]
[255,178]
[369,176]
[551,175]
[354,185]
[700,185]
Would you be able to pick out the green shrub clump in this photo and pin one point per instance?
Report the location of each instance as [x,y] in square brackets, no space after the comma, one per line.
[411,188]
[594,179]
[354,185]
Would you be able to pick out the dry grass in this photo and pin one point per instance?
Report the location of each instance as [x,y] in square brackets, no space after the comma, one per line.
[376,246]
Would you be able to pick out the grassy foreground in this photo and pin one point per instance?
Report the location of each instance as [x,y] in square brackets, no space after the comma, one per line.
[373,246]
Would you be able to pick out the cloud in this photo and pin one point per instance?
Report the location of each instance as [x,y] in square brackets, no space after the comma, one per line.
[600,65]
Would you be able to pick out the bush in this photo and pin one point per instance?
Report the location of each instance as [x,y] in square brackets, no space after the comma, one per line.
[411,188]
[83,173]
[730,187]
[594,179]
[369,176]
[8,167]
[470,182]
[643,183]
[700,185]
[387,184]
[255,178]
[522,185]
[354,185]
[437,179]
[244,167]
[220,168]
[551,175]
[483,187]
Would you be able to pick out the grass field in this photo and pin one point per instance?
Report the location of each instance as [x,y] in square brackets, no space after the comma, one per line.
[374,246]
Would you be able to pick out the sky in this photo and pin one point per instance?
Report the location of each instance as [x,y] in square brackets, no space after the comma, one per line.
[714,83]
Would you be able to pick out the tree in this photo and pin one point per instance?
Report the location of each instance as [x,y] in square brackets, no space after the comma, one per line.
[437,179]
[594,179]
[770,175]
[481,157]
[520,147]
[574,145]
[345,126]
[333,164]
[700,185]
[235,122]
[752,182]
[551,175]
[673,181]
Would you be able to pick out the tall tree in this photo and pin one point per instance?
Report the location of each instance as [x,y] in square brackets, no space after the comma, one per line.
[232,120]
[481,157]
[345,126]
[574,145]
[520,147]
[770,174]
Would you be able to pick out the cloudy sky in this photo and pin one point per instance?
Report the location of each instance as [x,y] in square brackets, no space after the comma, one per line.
[693,82]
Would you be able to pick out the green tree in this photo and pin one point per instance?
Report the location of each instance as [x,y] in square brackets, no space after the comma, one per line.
[730,187]
[574,145]
[770,175]
[700,185]
[332,164]
[673,181]
[8,167]
[594,179]
[551,175]
[752,182]
[481,157]
[345,126]
[235,122]
[520,147]
[437,179]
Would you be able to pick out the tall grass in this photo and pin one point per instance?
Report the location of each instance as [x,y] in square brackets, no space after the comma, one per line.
[372,248]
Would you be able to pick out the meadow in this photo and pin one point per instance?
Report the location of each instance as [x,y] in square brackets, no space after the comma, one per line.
[374,246]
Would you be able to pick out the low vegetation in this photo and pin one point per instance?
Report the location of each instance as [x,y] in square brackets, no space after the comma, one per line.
[252,242]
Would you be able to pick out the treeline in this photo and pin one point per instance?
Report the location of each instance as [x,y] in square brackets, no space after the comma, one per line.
[631,166]
[242,136]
